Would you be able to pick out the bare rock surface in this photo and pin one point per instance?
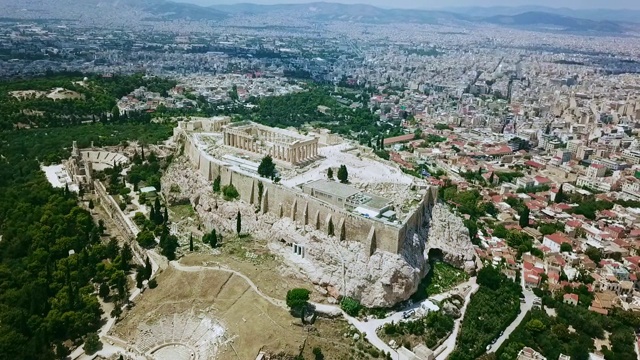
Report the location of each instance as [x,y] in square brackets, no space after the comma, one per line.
[448,233]
[343,268]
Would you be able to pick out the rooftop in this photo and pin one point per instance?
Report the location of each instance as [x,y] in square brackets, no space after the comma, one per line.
[332,187]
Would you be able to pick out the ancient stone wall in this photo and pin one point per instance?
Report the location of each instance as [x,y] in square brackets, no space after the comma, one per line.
[307,210]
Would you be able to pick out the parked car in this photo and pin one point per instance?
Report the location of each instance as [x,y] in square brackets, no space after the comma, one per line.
[407,314]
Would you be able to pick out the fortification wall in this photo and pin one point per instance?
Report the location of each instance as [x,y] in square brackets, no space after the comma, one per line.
[307,210]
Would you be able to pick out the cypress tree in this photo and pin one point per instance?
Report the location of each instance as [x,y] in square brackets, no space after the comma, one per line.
[524,217]
[190,242]
[239,223]
[148,270]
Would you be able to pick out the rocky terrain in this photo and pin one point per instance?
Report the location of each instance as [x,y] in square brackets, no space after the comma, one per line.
[448,233]
[341,268]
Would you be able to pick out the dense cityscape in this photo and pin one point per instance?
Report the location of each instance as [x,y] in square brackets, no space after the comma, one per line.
[318,181]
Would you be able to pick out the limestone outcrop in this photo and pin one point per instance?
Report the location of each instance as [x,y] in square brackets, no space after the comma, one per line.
[448,233]
[343,268]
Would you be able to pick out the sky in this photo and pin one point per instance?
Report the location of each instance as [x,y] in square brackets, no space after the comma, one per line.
[575,4]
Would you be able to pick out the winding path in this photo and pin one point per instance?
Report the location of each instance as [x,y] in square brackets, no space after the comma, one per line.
[368,328]
[113,345]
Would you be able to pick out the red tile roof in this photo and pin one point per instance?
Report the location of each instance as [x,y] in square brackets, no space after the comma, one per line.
[534,164]
[571,296]
[558,238]
[398,139]
[542,180]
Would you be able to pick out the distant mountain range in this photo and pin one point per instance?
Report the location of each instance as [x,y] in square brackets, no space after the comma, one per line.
[543,19]
[615,15]
[535,18]
[371,14]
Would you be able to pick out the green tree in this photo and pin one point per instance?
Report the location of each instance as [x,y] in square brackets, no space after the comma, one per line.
[104,291]
[146,239]
[524,218]
[267,167]
[566,247]
[191,242]
[330,173]
[297,299]
[211,238]
[594,254]
[92,343]
[91,206]
[169,245]
[216,184]
[238,223]
[490,277]
[317,353]
[535,326]
[343,174]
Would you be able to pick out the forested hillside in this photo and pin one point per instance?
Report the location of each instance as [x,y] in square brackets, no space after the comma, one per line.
[31,102]
[48,296]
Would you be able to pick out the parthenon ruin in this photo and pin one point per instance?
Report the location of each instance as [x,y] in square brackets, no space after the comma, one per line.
[283,145]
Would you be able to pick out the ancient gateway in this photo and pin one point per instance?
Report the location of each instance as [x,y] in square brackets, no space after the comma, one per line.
[232,151]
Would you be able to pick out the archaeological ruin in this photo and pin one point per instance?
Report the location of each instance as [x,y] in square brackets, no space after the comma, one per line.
[233,151]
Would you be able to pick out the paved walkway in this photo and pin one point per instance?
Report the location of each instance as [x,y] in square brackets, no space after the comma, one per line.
[529,298]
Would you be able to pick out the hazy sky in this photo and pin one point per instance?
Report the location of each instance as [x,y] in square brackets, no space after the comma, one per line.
[582,4]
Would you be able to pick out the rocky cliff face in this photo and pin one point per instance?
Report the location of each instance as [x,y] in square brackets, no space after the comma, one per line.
[448,233]
[342,268]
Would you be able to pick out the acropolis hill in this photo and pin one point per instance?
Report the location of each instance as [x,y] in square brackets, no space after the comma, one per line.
[367,238]
[366,210]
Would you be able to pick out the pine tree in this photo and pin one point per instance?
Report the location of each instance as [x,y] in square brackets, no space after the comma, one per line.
[190,242]
[239,223]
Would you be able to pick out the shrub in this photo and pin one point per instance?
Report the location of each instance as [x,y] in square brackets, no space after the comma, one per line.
[153,284]
[230,192]
[350,306]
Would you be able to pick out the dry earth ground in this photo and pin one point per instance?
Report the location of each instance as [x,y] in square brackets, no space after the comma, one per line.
[265,269]
[251,322]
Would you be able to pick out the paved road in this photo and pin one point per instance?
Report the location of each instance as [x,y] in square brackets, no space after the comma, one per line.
[529,297]
[447,347]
